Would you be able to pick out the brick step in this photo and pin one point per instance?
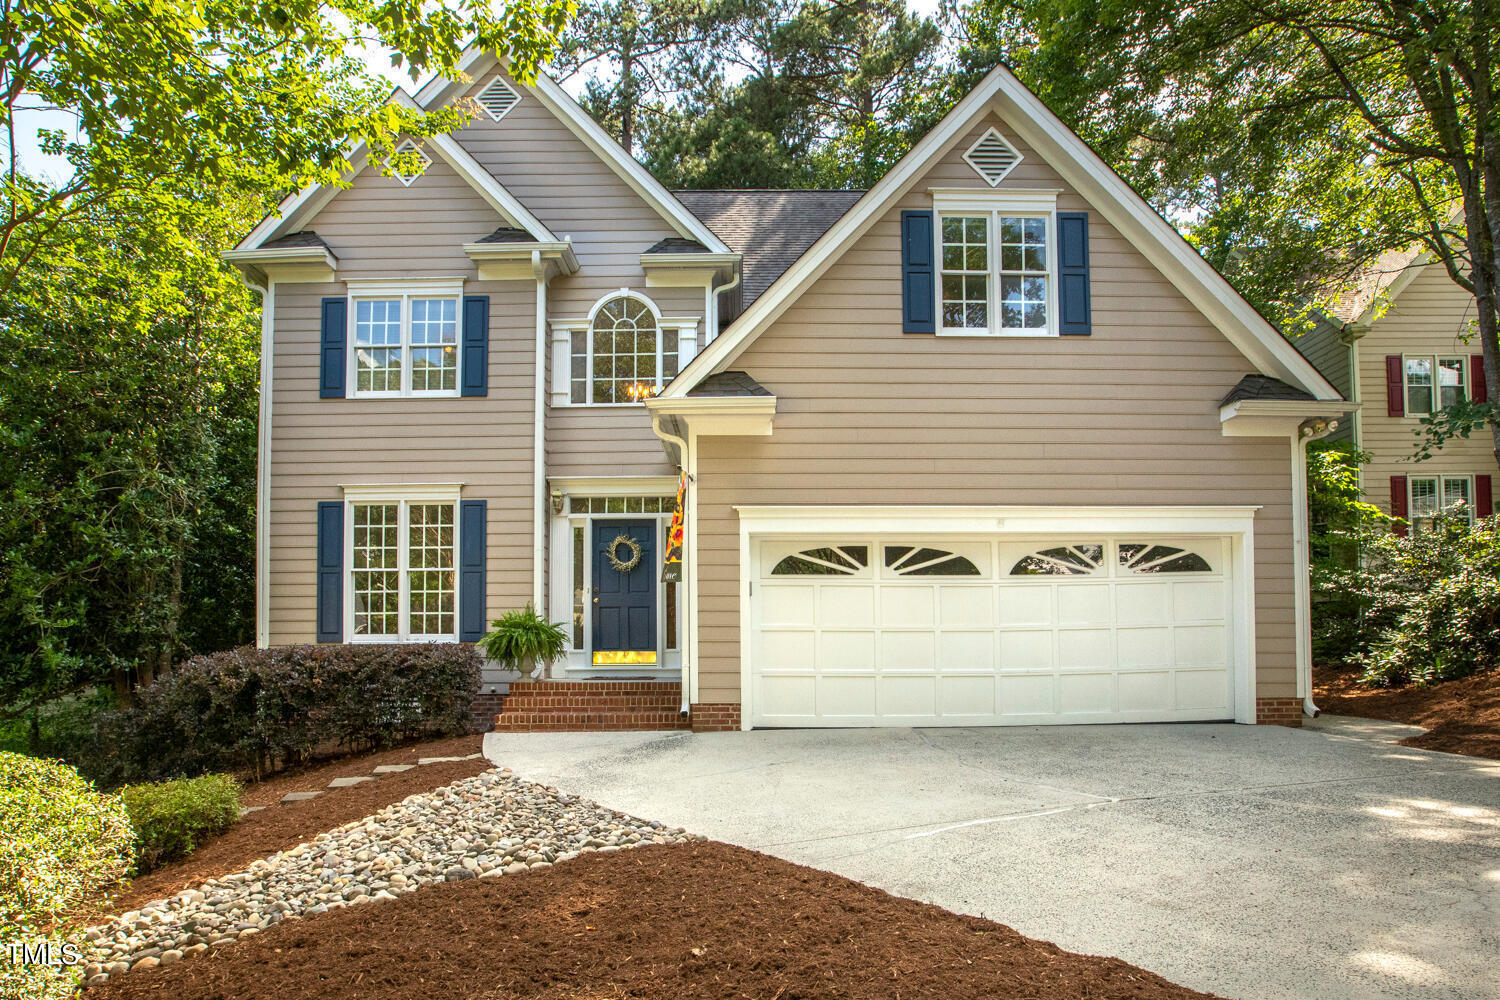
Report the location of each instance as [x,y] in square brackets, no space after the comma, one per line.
[612,687]
[538,703]
[556,722]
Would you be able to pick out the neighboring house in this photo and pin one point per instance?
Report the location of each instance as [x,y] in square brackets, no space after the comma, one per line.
[986,444]
[1405,344]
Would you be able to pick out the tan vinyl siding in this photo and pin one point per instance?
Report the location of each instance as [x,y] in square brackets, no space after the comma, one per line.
[380,228]
[869,415]
[1432,316]
[1328,355]
[320,445]
[578,196]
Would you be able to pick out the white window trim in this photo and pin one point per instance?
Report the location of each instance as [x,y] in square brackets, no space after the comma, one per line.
[1437,395]
[1034,204]
[404,497]
[686,328]
[1441,481]
[422,288]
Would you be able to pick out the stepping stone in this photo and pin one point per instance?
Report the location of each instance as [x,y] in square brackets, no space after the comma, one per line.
[247,810]
[393,768]
[348,782]
[440,760]
[299,796]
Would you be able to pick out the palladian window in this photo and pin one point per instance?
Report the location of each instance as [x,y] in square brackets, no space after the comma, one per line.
[624,356]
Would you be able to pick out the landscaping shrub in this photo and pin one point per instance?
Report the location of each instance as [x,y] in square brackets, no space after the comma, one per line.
[172,818]
[62,844]
[259,710]
[1435,599]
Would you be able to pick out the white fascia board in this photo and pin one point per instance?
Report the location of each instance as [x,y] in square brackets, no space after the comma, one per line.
[929,520]
[559,251]
[1276,417]
[719,416]
[1091,177]
[282,255]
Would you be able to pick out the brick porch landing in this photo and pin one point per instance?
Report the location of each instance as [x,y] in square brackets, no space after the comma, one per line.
[591,706]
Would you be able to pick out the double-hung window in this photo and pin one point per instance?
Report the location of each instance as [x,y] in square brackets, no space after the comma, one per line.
[998,271]
[401,570]
[1434,495]
[1434,382]
[405,342]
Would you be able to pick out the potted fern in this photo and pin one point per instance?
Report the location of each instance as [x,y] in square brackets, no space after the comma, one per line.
[520,640]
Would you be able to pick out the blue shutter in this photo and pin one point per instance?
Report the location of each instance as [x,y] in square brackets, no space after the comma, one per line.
[335,327]
[918,308]
[1076,314]
[471,543]
[331,570]
[475,365]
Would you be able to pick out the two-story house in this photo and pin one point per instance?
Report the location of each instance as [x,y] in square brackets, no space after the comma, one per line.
[986,444]
[1404,343]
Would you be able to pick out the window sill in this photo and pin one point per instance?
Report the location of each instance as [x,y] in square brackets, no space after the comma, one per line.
[361,640]
[569,405]
[1000,334]
[443,394]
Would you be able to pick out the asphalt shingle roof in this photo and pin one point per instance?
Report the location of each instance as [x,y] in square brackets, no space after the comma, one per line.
[508,234]
[676,244]
[305,238]
[1264,387]
[769,229]
[729,384]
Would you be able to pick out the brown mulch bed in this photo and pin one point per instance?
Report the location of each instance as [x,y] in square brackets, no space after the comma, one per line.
[702,920]
[278,827]
[1461,716]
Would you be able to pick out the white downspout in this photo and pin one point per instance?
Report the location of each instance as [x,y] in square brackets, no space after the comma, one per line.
[689,599]
[539,443]
[711,308]
[1308,432]
[263,461]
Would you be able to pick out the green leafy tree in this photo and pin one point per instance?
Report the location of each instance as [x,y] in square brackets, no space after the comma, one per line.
[1295,141]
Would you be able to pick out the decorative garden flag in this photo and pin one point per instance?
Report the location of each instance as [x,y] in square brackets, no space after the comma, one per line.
[671,570]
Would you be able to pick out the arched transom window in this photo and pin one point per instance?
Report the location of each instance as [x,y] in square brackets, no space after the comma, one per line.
[624,356]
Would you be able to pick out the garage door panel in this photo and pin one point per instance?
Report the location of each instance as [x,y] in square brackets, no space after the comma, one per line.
[1144,647]
[1200,646]
[966,652]
[1084,604]
[908,651]
[1084,648]
[907,698]
[966,697]
[1086,693]
[1201,690]
[846,606]
[966,606]
[1145,691]
[1033,695]
[1143,603]
[789,605]
[846,697]
[909,606]
[1026,650]
[894,632]
[1026,605]
[846,652]
[787,649]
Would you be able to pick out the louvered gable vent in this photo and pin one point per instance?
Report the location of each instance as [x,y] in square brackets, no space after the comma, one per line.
[498,98]
[407,146]
[992,157]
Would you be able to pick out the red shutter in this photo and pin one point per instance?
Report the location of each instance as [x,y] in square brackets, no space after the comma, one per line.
[1484,500]
[1395,390]
[1398,501]
[1479,391]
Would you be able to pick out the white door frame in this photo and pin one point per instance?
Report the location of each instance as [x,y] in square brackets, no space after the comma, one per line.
[1235,523]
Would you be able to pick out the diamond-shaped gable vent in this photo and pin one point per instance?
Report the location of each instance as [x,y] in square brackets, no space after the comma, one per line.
[992,157]
[498,98]
[407,146]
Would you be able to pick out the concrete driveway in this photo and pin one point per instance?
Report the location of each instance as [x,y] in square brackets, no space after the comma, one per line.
[1253,862]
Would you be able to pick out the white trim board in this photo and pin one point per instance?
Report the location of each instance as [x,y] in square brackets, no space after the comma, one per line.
[1088,175]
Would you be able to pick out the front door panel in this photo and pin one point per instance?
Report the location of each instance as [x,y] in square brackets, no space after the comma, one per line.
[624,602]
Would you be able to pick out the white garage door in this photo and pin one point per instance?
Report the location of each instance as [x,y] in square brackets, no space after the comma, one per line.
[906,631]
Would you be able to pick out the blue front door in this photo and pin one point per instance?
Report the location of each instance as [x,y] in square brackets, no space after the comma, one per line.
[624,601]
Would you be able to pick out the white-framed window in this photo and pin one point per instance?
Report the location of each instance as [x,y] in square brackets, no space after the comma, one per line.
[401,568]
[1429,496]
[405,340]
[1434,382]
[624,356]
[998,269]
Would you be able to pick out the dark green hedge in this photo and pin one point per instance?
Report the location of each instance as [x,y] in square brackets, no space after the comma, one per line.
[256,711]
